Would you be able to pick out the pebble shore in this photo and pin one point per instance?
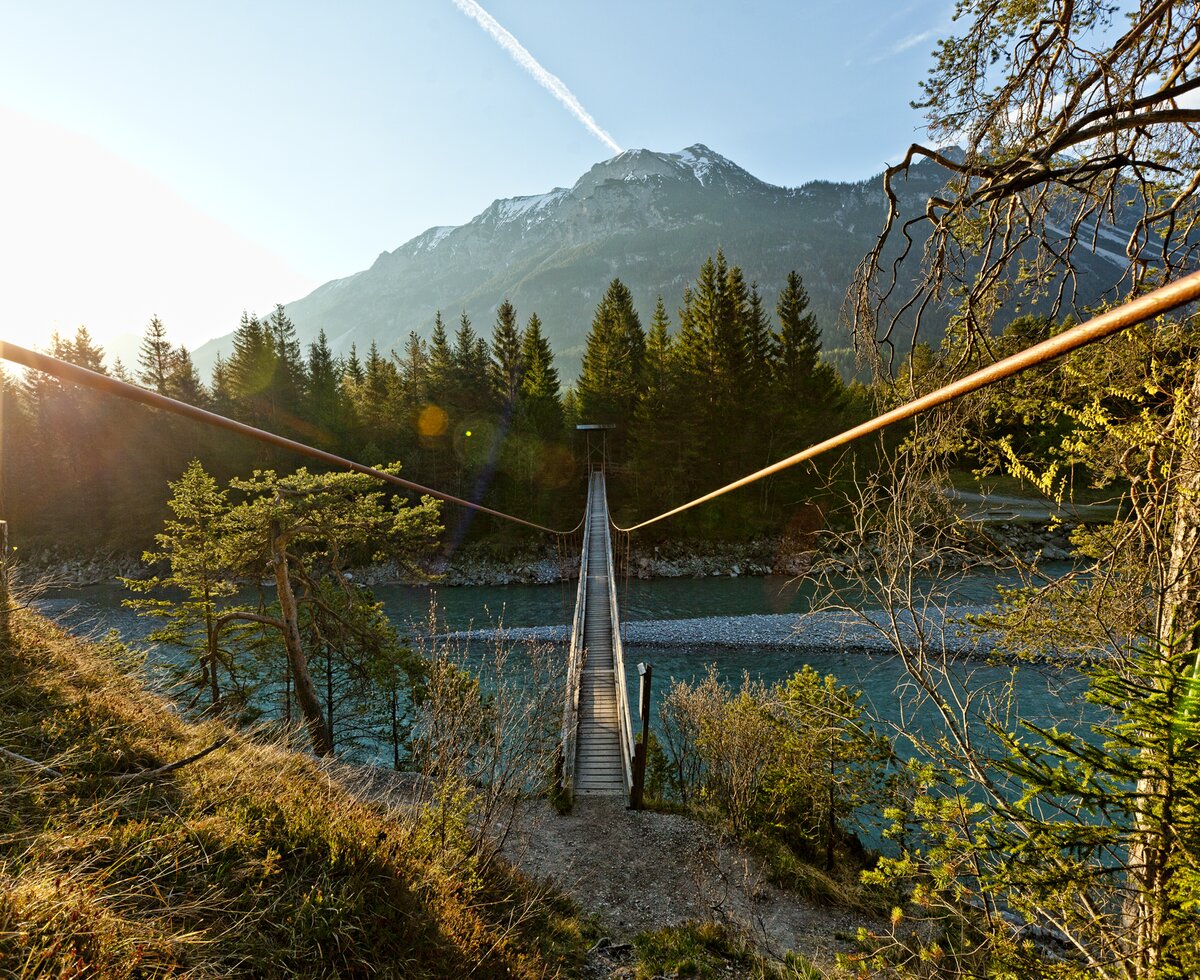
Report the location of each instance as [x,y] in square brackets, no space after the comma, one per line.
[828,629]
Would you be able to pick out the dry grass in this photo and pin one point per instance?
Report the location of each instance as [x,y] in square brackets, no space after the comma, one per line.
[252,861]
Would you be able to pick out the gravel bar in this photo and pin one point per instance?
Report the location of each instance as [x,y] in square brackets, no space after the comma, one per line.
[836,629]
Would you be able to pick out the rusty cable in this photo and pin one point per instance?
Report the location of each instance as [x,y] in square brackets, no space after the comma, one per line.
[75,374]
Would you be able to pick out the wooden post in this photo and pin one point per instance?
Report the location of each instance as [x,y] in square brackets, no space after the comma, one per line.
[645,675]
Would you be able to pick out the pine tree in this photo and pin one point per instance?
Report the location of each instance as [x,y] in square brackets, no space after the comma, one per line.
[414,372]
[471,391]
[797,345]
[506,369]
[190,546]
[380,384]
[808,398]
[612,360]
[540,397]
[81,350]
[220,386]
[441,362]
[661,438]
[711,361]
[154,357]
[353,372]
[252,371]
[288,381]
[324,404]
[183,380]
[758,344]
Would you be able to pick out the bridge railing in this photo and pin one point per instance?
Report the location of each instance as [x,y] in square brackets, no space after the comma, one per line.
[623,718]
[575,658]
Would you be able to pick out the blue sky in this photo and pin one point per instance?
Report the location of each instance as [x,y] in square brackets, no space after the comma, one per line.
[194,159]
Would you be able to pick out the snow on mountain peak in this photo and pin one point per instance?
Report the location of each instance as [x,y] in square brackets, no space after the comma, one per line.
[511,208]
[699,159]
[429,239]
[696,162]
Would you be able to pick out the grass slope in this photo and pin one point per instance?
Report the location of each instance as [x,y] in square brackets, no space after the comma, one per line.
[253,861]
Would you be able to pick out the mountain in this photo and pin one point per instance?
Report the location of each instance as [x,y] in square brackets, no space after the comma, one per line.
[650,218]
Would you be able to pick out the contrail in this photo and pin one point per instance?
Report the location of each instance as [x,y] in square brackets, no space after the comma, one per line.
[551,83]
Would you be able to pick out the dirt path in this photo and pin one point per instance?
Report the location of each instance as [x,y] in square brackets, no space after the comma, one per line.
[638,871]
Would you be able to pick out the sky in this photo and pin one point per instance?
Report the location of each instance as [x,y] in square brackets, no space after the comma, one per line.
[190,160]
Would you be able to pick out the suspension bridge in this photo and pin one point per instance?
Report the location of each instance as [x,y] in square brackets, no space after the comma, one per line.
[597,737]
[598,753]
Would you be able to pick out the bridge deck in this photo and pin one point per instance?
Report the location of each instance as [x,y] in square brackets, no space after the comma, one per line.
[598,763]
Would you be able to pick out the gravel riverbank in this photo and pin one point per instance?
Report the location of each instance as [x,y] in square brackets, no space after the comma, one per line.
[827,629]
[478,564]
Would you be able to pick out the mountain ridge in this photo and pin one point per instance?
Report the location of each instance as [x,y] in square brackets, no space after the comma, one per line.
[648,217]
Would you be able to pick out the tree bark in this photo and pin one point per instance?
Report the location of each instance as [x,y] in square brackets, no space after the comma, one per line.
[1152,850]
[214,688]
[306,692]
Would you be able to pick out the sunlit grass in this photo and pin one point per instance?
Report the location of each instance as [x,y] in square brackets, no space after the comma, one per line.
[254,860]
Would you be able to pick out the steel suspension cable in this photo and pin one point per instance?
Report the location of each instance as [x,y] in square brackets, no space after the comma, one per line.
[75,374]
[1135,311]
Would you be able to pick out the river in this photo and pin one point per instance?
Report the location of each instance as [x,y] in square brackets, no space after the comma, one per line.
[1043,695]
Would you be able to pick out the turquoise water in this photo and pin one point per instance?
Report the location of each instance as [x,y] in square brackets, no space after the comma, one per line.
[1043,695]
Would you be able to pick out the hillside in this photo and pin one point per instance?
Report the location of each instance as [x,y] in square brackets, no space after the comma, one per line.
[649,218]
[250,861]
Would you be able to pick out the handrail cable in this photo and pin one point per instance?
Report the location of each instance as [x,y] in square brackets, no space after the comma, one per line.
[75,374]
[1134,311]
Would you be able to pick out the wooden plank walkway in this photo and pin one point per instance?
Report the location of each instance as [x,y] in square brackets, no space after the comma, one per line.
[599,769]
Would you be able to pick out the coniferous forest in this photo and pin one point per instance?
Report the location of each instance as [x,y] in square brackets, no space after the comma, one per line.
[723,386]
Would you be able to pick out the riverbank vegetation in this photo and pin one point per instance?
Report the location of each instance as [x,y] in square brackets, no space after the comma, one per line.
[793,770]
[297,532]
[1072,850]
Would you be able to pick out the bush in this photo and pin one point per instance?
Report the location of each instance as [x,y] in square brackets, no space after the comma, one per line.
[791,762]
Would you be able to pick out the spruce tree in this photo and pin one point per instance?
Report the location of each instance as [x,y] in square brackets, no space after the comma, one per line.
[506,369]
[154,357]
[661,436]
[441,362]
[798,342]
[252,371]
[352,370]
[183,381]
[758,343]
[414,372]
[288,381]
[612,360]
[324,402]
[220,386]
[471,391]
[540,397]
[711,360]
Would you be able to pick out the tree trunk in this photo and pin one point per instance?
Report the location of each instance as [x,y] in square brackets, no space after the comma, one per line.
[306,692]
[1152,850]
[214,688]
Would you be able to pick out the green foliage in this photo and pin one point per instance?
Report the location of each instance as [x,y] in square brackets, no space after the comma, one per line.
[612,362]
[786,767]
[320,523]
[1080,842]
[192,547]
[728,392]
